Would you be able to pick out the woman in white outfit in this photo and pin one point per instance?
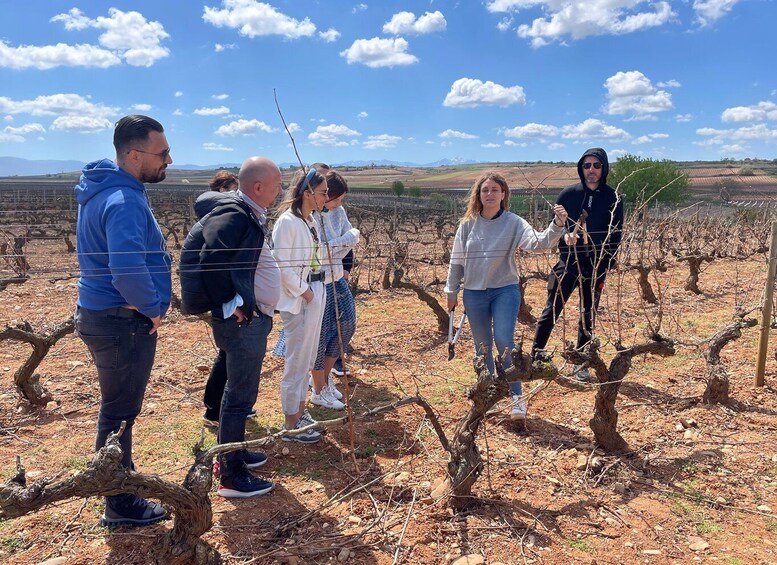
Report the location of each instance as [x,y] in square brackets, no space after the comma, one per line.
[340,237]
[299,256]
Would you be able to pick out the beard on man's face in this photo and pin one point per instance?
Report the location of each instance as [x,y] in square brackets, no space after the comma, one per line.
[153,176]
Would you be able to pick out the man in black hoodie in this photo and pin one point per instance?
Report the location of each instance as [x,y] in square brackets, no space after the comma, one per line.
[225,267]
[586,252]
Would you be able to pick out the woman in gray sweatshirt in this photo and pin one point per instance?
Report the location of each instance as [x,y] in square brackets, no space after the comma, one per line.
[484,256]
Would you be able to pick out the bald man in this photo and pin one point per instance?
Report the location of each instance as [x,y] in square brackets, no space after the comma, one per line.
[236,276]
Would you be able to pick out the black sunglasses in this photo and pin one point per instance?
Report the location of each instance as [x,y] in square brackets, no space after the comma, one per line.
[596,165]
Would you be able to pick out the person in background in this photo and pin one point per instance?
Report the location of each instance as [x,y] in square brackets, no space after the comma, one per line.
[222,181]
[484,256]
[585,254]
[300,256]
[124,289]
[339,236]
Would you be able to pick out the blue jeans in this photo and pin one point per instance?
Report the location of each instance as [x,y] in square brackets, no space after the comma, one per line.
[123,352]
[492,315]
[244,346]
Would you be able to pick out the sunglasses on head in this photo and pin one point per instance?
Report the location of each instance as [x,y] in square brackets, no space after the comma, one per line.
[306,181]
[595,165]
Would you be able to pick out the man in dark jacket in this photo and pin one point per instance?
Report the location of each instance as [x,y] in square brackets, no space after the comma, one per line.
[124,289]
[586,252]
[225,267]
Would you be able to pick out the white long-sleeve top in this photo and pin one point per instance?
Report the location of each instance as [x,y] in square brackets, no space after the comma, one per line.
[484,250]
[341,237]
[293,248]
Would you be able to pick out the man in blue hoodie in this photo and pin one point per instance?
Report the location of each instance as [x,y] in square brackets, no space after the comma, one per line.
[124,288]
[586,252]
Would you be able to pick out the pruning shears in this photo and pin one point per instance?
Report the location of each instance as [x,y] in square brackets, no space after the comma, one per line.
[454,332]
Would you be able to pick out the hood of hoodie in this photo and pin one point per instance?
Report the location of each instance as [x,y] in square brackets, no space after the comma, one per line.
[600,154]
[211,199]
[101,175]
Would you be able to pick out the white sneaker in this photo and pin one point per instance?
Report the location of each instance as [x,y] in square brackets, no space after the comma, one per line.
[326,399]
[330,384]
[518,411]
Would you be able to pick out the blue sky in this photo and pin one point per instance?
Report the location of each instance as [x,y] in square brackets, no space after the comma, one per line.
[490,80]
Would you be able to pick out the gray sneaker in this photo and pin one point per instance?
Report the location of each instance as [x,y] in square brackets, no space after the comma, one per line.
[310,436]
[307,418]
[582,375]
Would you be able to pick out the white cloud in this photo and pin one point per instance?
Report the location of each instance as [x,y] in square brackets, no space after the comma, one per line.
[710,11]
[329,35]
[219,47]
[512,143]
[216,147]
[361,115]
[256,19]
[505,24]
[405,23]
[177,112]
[216,111]
[617,153]
[757,132]
[51,56]
[141,107]
[683,117]
[219,96]
[733,148]
[127,34]
[332,134]
[649,138]
[56,105]
[81,124]
[294,127]
[383,141]
[8,118]
[632,91]
[470,92]
[641,118]
[452,133]
[577,19]
[765,110]
[555,145]
[669,84]
[244,127]
[593,129]
[178,93]
[490,145]
[532,130]
[12,134]
[359,8]
[377,52]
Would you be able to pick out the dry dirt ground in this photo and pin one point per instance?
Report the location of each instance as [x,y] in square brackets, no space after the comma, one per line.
[697,486]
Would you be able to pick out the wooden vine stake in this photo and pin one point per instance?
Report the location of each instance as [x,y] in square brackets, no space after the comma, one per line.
[766,311]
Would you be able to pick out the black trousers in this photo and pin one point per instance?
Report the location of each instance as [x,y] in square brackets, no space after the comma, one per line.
[214,388]
[562,281]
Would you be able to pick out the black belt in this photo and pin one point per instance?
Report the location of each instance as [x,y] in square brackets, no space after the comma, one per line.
[316,277]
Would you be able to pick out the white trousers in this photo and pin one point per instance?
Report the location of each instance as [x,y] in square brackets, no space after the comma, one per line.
[302,332]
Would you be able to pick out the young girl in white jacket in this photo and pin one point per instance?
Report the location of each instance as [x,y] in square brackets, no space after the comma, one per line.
[299,256]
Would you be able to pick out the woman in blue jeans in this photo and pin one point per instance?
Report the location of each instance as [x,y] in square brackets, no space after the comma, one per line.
[484,256]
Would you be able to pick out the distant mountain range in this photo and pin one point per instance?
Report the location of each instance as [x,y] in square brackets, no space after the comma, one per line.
[14,166]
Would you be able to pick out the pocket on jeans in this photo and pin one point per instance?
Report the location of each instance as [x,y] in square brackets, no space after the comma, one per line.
[104,350]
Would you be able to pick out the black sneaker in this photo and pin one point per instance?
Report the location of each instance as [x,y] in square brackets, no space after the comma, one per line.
[338,368]
[243,485]
[583,375]
[131,510]
[254,459]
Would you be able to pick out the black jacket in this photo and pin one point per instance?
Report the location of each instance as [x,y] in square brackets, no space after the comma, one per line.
[604,222]
[220,254]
